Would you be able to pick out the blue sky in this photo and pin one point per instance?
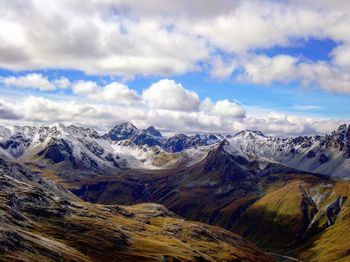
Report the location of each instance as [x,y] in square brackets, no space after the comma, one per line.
[220,66]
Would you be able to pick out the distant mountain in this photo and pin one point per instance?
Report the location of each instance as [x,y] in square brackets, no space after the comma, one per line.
[180,142]
[125,146]
[122,131]
[328,154]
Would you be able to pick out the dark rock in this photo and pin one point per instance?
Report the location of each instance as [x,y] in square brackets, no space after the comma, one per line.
[323,159]
[121,132]
[311,154]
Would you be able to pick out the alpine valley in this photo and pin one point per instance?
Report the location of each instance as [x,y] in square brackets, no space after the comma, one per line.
[71,193]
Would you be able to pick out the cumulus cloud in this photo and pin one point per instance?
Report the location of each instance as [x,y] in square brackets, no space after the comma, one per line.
[118,93]
[224,108]
[221,69]
[284,69]
[91,37]
[40,109]
[265,70]
[35,81]
[8,113]
[83,87]
[167,94]
[281,124]
[62,82]
[159,37]
[45,110]
[113,92]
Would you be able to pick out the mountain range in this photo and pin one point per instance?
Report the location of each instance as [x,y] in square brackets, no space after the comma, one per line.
[289,196]
[125,146]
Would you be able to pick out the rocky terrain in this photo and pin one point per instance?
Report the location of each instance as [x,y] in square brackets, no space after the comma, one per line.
[41,221]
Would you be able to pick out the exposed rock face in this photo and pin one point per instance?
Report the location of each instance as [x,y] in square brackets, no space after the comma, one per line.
[149,136]
[323,159]
[176,143]
[333,209]
[153,131]
[123,131]
[58,151]
[180,142]
[311,154]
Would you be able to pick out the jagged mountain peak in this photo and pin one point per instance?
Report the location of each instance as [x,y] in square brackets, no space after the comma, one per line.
[343,132]
[343,128]
[151,130]
[249,132]
[57,125]
[127,125]
[222,144]
[122,131]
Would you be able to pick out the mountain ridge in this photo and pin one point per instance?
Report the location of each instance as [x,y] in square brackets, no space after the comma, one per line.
[86,148]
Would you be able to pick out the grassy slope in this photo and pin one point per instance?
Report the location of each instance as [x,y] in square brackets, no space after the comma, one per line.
[333,243]
[38,224]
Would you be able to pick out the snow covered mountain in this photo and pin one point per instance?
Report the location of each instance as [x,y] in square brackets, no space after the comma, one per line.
[328,154]
[127,147]
[71,147]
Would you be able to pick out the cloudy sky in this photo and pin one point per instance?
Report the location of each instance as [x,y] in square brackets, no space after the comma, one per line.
[282,67]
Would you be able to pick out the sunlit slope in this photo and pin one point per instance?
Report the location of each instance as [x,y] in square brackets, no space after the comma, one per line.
[333,243]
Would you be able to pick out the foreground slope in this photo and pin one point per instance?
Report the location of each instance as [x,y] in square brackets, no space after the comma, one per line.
[41,221]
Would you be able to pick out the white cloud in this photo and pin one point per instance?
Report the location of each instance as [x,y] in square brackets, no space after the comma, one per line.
[159,37]
[284,69]
[328,77]
[43,110]
[167,94]
[6,112]
[228,109]
[35,81]
[220,68]
[83,87]
[62,82]
[113,92]
[224,108]
[90,36]
[117,93]
[280,124]
[265,70]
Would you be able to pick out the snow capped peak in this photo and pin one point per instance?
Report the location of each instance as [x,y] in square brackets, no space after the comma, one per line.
[127,126]
[57,125]
[82,131]
[122,131]
[153,131]
[252,133]
[343,128]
